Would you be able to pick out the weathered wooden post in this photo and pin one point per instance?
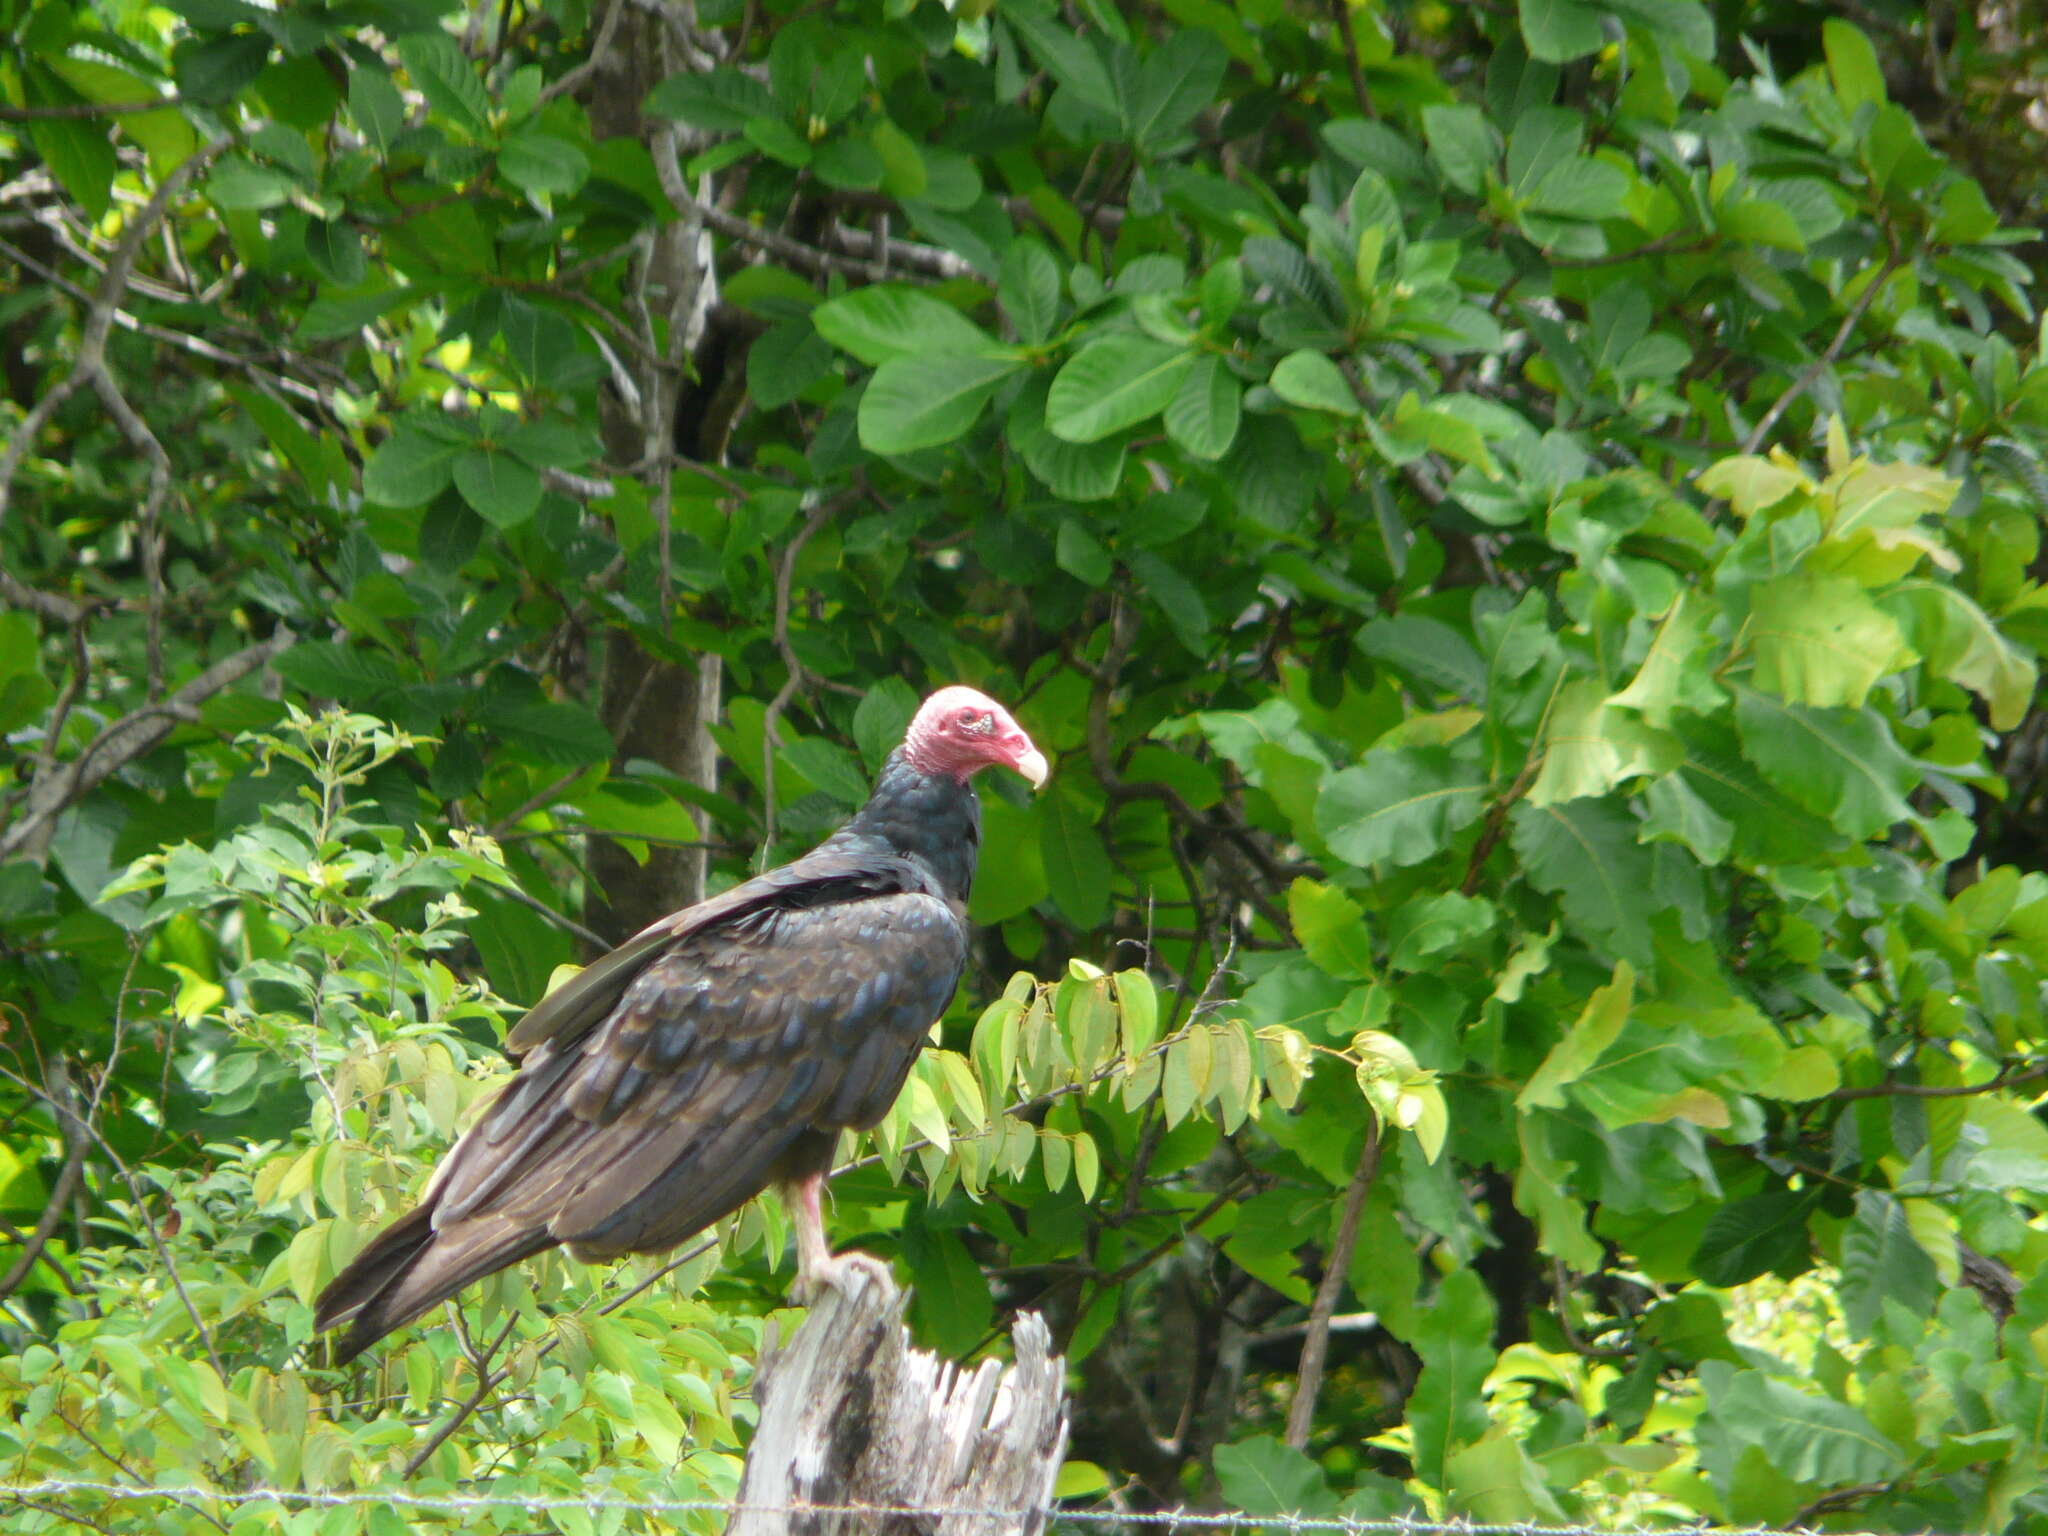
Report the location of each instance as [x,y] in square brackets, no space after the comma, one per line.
[858,1428]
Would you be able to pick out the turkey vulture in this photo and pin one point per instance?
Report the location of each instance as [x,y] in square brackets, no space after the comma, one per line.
[719,1050]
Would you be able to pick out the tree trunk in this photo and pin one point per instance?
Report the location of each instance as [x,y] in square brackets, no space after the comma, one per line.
[656,709]
[862,1435]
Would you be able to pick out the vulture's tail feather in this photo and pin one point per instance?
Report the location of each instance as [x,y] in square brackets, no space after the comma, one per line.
[410,1267]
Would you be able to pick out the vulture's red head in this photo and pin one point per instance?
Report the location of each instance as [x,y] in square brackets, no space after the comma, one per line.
[961,732]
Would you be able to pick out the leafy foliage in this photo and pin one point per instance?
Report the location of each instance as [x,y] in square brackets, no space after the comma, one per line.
[1519,527]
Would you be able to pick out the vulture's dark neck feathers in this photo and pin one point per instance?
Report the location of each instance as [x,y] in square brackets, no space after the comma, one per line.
[933,819]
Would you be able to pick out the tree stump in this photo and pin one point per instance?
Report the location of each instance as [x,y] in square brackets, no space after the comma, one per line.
[863,1435]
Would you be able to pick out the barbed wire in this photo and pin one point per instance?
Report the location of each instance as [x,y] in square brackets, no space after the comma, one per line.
[1164,1519]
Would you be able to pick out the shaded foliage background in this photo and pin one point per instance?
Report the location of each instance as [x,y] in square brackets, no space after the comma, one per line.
[1519,526]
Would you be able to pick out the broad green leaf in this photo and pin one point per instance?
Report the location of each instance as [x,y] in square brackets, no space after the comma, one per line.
[1262,1476]
[1330,927]
[1585,851]
[1462,143]
[1077,869]
[1067,56]
[1596,1028]
[1882,1261]
[1841,764]
[1853,68]
[1808,1437]
[1820,640]
[543,162]
[502,489]
[1558,31]
[1590,746]
[1751,485]
[927,401]
[1399,806]
[330,669]
[1113,383]
[1428,926]
[1672,675]
[1958,640]
[885,321]
[436,66]
[1203,414]
[1496,1480]
[720,100]
[1454,1337]
[1754,1236]
[1311,380]
[1029,289]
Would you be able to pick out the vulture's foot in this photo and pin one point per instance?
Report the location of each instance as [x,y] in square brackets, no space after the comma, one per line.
[846,1273]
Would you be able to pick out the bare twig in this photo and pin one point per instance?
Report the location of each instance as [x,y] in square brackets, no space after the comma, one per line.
[1820,365]
[1336,1267]
[79,109]
[486,1380]
[2007,1077]
[1342,11]
[75,1144]
[127,739]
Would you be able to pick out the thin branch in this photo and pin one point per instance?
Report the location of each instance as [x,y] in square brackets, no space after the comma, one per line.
[1336,1267]
[1813,370]
[600,48]
[75,1144]
[86,109]
[2006,1078]
[794,669]
[486,1380]
[132,736]
[1342,10]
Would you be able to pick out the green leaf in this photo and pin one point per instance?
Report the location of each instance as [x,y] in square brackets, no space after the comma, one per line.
[1754,1236]
[1809,1438]
[336,250]
[414,463]
[1112,383]
[1435,925]
[1178,598]
[1029,289]
[1597,1027]
[1751,484]
[1590,746]
[1400,806]
[785,361]
[1262,1476]
[1586,853]
[1080,554]
[566,734]
[1462,143]
[374,102]
[718,100]
[503,490]
[449,81]
[1067,57]
[1177,81]
[1883,1262]
[1558,31]
[829,767]
[1959,641]
[1077,869]
[1672,674]
[1841,764]
[1330,927]
[1202,416]
[1454,1337]
[1820,640]
[1582,188]
[1311,380]
[886,321]
[926,401]
[331,670]
[543,162]
[1853,68]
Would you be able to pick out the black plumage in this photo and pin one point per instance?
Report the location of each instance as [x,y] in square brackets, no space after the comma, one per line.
[720,1050]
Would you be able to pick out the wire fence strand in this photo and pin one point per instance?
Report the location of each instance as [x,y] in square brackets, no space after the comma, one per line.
[594,1504]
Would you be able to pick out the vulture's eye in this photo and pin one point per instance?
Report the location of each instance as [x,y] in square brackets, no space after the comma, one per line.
[980,725]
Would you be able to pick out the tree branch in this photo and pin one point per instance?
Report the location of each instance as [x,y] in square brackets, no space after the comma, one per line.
[1336,1267]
